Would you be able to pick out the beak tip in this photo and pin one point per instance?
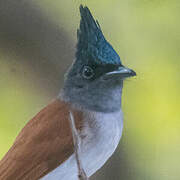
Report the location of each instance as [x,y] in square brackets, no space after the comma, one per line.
[133,73]
[127,71]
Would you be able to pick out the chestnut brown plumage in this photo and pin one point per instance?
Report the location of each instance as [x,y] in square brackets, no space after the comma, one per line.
[42,145]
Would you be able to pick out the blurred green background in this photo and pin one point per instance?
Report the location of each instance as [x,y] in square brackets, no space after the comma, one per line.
[37,44]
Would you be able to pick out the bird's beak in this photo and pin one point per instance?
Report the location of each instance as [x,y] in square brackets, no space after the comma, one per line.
[121,72]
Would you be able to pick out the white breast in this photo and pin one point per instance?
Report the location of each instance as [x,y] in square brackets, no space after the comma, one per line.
[101,136]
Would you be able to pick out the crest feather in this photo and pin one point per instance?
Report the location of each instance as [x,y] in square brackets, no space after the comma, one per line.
[91,41]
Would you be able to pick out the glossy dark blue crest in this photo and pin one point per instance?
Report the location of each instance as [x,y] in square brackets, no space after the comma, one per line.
[92,44]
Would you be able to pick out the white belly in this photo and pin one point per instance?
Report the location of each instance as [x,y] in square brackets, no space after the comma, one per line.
[102,135]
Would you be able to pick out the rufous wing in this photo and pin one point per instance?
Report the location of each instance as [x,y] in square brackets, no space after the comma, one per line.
[42,145]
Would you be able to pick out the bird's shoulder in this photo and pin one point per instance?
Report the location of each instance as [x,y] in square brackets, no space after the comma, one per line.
[42,145]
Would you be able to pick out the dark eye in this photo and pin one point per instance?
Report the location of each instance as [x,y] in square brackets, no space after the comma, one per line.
[87,72]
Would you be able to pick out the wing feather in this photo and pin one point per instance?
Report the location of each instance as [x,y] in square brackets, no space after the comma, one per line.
[42,145]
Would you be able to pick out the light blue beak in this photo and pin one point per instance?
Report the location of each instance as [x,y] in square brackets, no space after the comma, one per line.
[121,72]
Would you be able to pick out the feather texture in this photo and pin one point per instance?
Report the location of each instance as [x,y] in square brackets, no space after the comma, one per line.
[42,145]
[92,45]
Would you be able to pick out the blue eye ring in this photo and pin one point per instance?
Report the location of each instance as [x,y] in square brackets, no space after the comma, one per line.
[87,72]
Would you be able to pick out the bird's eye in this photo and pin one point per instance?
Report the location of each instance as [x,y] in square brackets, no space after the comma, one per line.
[87,72]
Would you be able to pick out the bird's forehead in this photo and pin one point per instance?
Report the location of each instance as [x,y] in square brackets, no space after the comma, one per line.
[102,54]
[107,54]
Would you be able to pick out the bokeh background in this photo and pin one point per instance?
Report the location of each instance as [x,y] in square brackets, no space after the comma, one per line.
[37,44]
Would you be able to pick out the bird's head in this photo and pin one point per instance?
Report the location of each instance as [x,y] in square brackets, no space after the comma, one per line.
[95,79]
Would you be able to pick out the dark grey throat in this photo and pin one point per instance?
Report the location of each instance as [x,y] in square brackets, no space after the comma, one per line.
[104,102]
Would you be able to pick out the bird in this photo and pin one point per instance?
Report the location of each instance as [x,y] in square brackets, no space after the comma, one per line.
[92,91]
